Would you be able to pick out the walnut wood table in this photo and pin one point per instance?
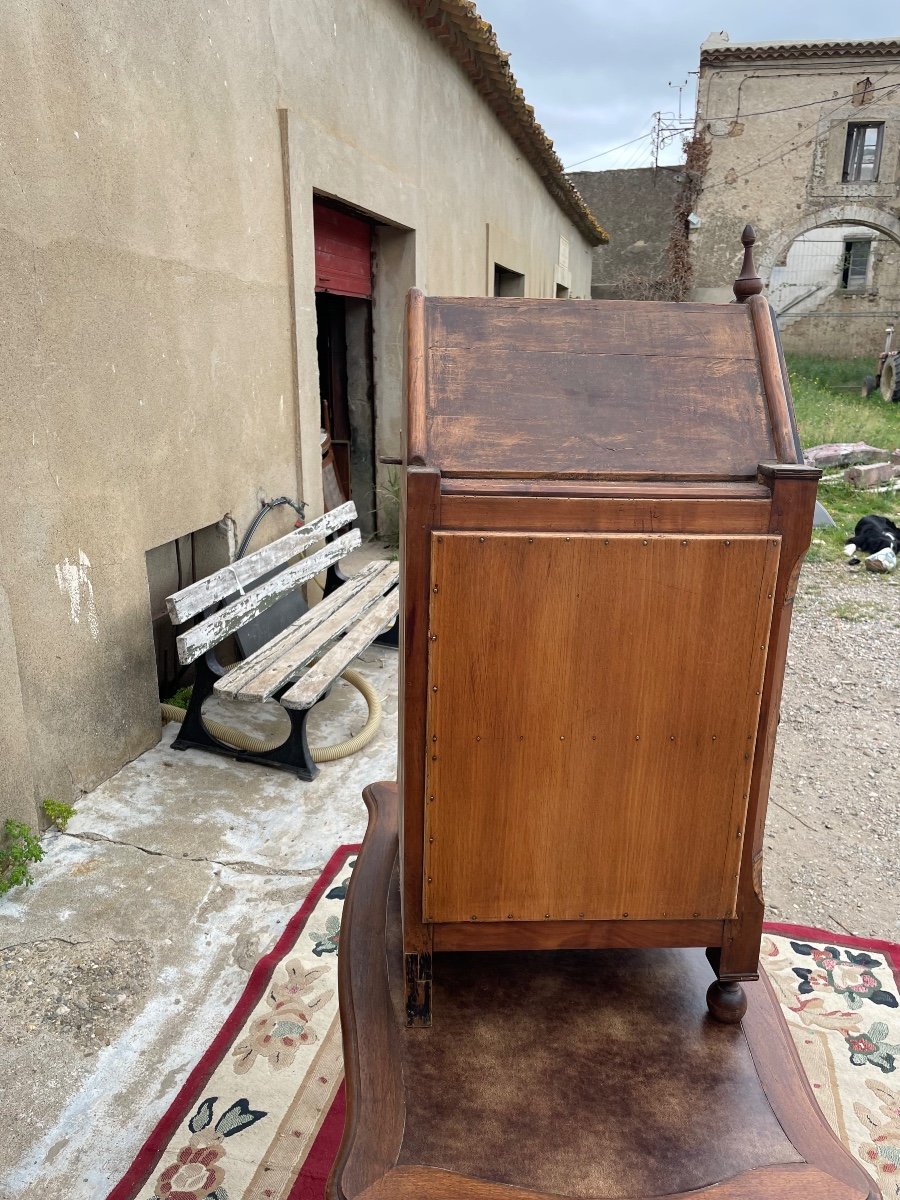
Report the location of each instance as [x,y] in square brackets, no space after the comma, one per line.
[563,1074]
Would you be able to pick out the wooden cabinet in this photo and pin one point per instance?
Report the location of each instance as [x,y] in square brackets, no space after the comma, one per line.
[605,512]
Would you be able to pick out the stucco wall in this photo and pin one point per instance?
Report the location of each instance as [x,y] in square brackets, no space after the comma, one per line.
[638,209]
[781,171]
[147,346]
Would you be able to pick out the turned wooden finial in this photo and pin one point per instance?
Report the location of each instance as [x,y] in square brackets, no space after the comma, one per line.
[748,283]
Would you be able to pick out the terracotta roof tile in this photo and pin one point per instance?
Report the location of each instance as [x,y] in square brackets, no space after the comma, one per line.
[715,52]
[473,43]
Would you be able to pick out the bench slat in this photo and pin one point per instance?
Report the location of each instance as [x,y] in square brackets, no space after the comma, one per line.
[196,641]
[261,675]
[266,654]
[322,674]
[244,571]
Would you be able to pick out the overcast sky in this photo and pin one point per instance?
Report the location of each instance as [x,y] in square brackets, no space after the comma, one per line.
[596,70]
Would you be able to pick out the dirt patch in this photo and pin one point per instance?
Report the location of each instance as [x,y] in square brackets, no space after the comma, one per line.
[85,991]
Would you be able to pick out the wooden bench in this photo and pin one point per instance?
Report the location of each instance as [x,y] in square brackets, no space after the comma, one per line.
[297,665]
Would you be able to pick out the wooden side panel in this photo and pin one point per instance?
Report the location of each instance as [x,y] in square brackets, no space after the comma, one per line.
[421,508]
[520,388]
[562,514]
[783,433]
[589,759]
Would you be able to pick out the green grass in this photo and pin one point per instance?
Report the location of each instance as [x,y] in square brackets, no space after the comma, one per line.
[826,411]
[858,610]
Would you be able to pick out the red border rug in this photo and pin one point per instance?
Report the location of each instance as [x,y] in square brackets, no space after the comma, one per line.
[261,1115]
[277,1032]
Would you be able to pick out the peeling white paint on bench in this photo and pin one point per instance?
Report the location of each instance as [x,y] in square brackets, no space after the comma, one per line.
[272,649]
[282,659]
[240,574]
[196,641]
[322,674]
[260,680]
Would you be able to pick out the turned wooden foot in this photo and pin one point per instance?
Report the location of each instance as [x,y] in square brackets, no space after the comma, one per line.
[727,1002]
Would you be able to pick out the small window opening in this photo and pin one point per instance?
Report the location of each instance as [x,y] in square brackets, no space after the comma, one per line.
[862,154]
[508,283]
[855,265]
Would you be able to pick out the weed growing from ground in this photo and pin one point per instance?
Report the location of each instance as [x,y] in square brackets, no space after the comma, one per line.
[59,812]
[20,849]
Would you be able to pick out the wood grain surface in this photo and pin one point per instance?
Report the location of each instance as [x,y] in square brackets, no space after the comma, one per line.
[793,502]
[244,571]
[551,514]
[373,1125]
[321,675]
[783,432]
[593,705]
[420,513]
[200,638]
[574,935]
[792,1181]
[522,388]
[281,659]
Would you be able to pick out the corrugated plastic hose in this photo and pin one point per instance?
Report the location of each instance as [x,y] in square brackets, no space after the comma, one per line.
[255,745]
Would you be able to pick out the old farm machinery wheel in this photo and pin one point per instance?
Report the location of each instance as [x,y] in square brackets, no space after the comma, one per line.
[890,378]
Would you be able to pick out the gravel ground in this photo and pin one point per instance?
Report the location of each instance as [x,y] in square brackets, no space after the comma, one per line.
[85,991]
[833,830]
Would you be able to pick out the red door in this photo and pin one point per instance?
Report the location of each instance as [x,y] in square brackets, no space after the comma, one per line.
[343,253]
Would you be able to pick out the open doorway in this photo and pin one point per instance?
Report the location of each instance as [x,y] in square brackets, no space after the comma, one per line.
[344,344]
[508,283]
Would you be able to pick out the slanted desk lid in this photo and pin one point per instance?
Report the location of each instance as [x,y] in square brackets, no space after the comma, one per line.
[616,388]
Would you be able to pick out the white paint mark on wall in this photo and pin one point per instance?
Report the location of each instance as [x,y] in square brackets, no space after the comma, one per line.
[74,581]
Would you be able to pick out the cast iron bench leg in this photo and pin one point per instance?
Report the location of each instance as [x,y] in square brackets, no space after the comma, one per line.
[292,755]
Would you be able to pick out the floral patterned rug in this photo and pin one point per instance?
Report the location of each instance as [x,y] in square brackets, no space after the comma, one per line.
[840,998]
[261,1115]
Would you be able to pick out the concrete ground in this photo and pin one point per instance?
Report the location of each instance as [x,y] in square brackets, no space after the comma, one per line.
[147,915]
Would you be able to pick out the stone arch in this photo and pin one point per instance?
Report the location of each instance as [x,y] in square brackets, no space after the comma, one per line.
[836,214]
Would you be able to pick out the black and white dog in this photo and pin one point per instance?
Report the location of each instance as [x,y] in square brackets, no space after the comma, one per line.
[871,535]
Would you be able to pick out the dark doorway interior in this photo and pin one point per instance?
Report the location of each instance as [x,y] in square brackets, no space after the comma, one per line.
[344,345]
[508,283]
[348,418]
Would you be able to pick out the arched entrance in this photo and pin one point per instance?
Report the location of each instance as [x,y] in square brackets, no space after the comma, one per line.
[837,214]
[834,279]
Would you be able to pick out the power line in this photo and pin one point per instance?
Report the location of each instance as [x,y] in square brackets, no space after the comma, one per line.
[603,153]
[791,145]
[765,112]
[735,116]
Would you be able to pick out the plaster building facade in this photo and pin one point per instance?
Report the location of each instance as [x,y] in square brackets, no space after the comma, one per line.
[804,143]
[638,207]
[174,180]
